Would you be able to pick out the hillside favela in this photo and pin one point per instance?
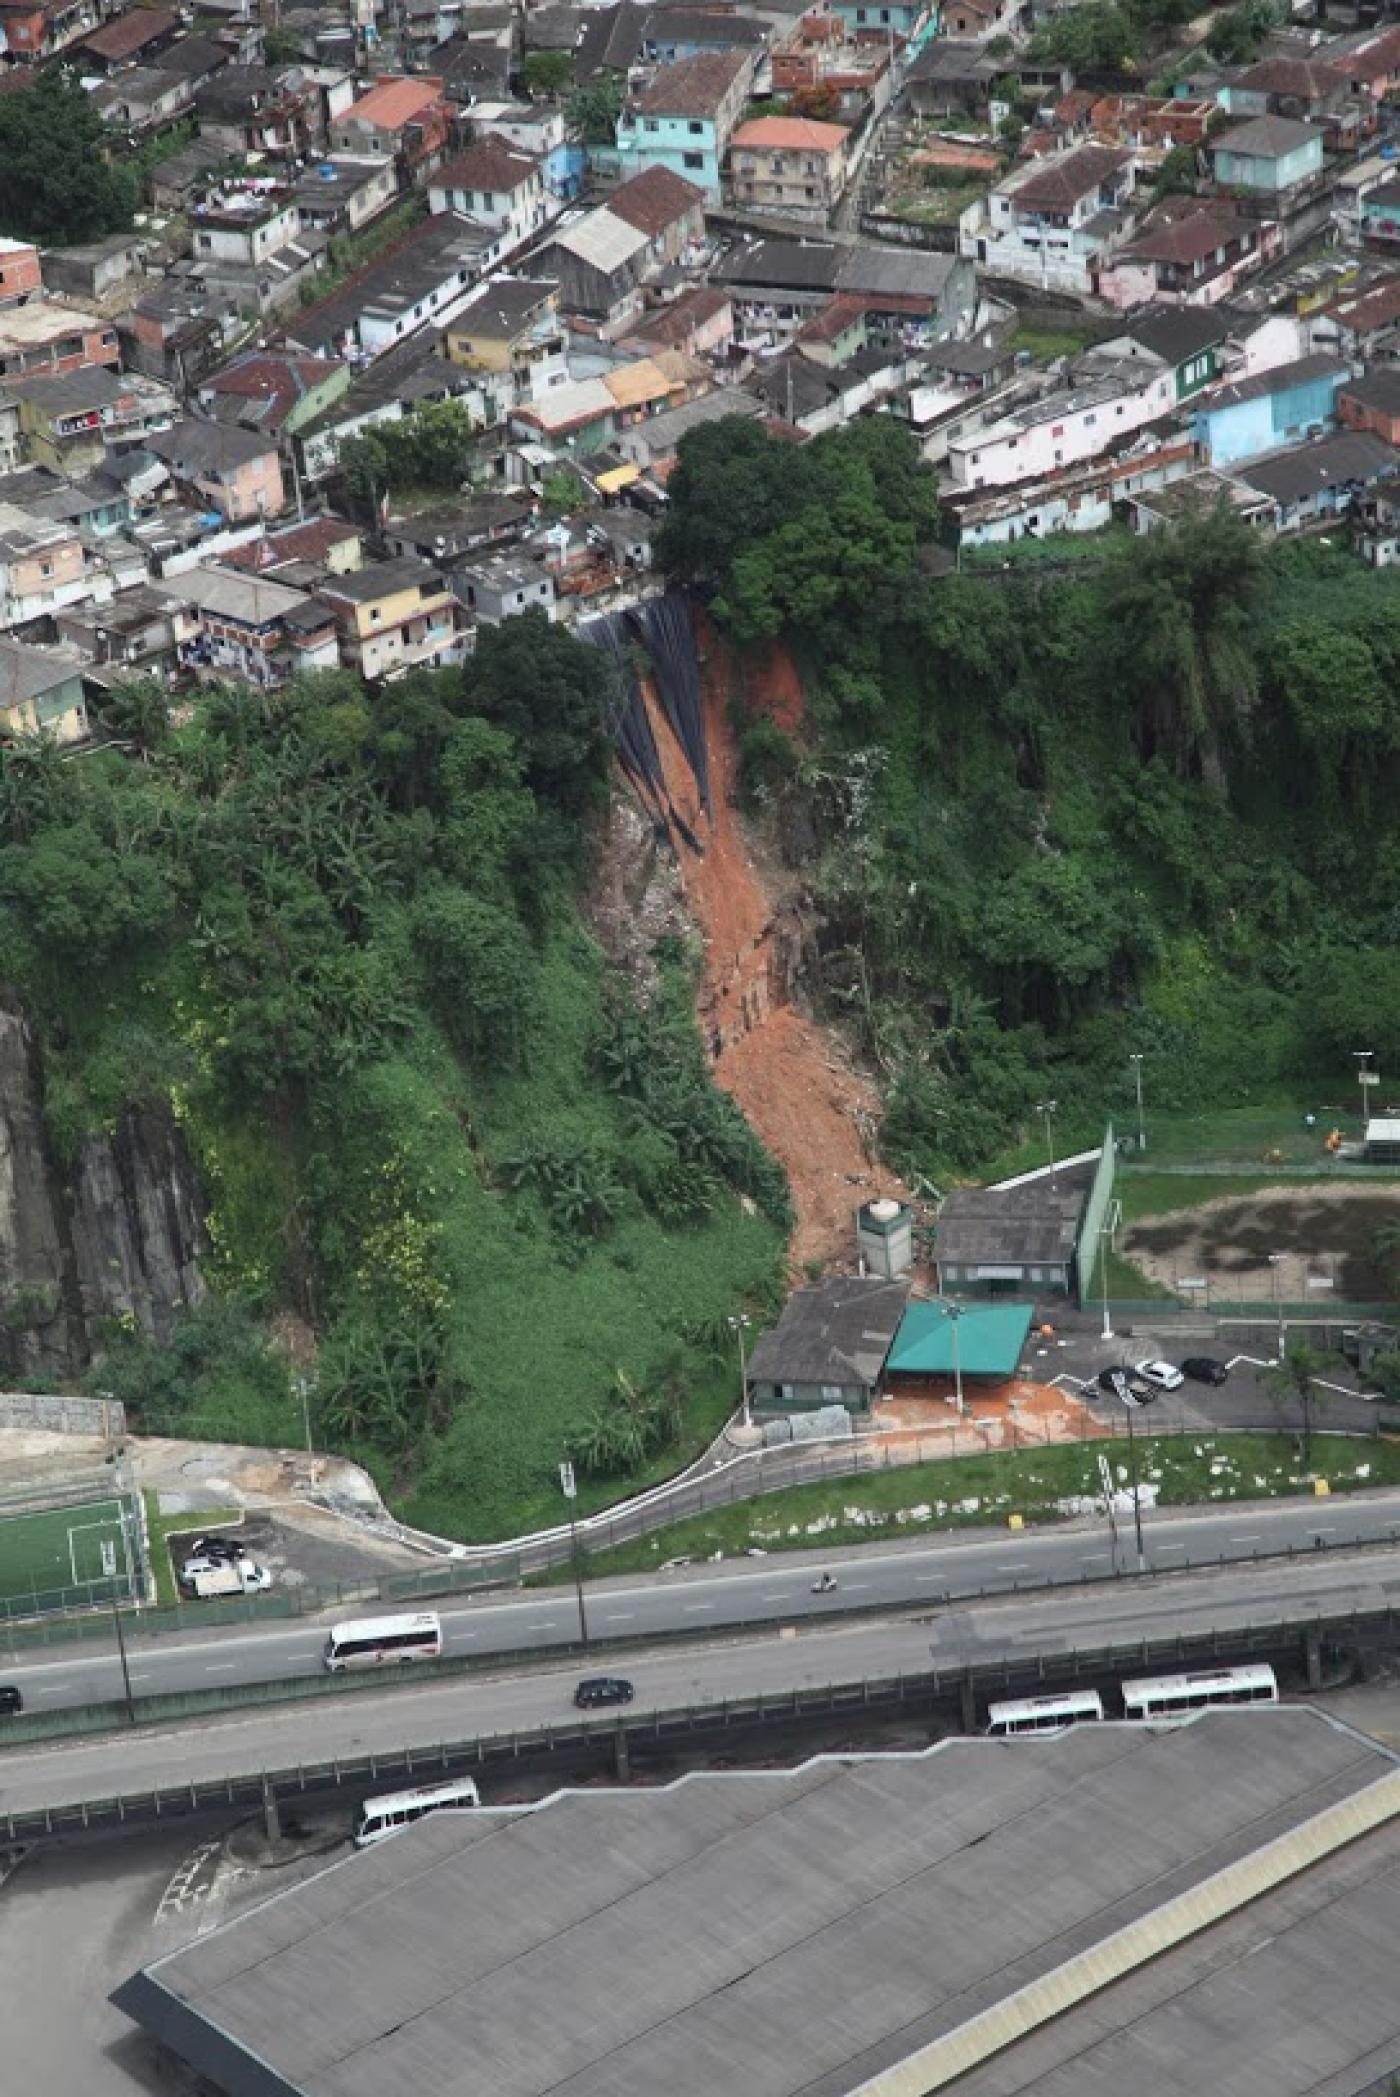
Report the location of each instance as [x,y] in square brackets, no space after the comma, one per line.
[699,1048]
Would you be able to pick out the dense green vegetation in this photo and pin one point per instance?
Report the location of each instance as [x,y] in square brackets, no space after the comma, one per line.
[340,934]
[55,186]
[1052,816]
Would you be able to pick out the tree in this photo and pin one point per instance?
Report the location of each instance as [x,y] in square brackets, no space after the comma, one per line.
[1236,36]
[593,109]
[426,450]
[56,185]
[1176,177]
[547,74]
[552,694]
[1097,37]
[1295,1379]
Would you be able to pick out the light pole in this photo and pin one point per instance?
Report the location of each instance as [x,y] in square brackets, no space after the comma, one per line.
[1048,1107]
[1275,1262]
[1364,1077]
[1136,1061]
[569,1484]
[304,1393]
[121,1651]
[739,1325]
[955,1311]
[1137,1498]
[1105,1233]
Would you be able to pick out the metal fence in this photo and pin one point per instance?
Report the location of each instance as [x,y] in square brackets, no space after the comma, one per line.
[675,1725]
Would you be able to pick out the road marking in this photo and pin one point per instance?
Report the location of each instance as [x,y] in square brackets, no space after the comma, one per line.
[619,1616]
[224,1667]
[1092,1557]
[699,1608]
[785,1597]
[1165,1546]
[856,1587]
[1245,1539]
[1021,1565]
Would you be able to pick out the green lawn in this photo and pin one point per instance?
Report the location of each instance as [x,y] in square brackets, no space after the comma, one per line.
[1066,340]
[971,1491]
[47,1554]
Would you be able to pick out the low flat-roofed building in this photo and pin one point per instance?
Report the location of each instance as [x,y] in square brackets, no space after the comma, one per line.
[1009,1239]
[1207,1908]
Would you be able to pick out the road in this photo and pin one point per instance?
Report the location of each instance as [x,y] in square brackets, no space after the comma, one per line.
[422,1714]
[700,1600]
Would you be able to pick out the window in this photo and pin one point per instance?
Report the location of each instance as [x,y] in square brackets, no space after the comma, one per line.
[695,128]
[652,124]
[520,596]
[693,160]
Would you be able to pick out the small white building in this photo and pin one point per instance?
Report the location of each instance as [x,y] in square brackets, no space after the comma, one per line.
[1050,221]
[1063,428]
[497,186]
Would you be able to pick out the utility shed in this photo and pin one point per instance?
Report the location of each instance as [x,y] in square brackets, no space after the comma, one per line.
[1210,1909]
[829,1346]
[1005,1240]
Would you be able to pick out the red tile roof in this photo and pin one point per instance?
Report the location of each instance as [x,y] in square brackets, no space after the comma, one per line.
[131,32]
[694,87]
[489,164]
[390,104]
[790,135]
[655,199]
[1056,187]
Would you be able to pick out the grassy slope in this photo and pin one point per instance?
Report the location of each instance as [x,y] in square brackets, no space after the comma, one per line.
[969,1491]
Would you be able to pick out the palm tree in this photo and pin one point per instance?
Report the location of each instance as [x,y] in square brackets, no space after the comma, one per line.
[1296,1378]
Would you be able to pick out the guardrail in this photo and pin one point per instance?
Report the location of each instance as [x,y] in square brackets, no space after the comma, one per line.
[114,1715]
[678,1723]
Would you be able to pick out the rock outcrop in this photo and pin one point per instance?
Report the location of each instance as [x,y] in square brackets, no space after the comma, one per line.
[118,1234]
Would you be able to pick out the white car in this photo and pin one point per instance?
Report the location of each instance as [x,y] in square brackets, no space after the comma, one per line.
[1162,1374]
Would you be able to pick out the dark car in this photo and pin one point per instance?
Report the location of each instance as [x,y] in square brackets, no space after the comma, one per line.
[217,1547]
[11,1702]
[1203,1368]
[602,1689]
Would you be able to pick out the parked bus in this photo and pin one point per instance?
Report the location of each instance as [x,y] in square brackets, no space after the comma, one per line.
[373,1641]
[383,1816]
[1045,1714]
[1179,1696]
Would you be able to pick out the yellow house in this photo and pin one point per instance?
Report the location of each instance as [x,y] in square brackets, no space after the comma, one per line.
[395,616]
[509,326]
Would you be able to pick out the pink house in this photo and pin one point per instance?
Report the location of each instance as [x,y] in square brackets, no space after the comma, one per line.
[236,472]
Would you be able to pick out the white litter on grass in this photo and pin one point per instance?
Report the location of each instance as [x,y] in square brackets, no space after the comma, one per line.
[1220,1466]
[1362,1471]
[922,1513]
[1122,1470]
[968,1506]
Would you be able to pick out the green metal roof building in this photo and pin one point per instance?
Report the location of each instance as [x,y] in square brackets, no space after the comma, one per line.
[990,1339]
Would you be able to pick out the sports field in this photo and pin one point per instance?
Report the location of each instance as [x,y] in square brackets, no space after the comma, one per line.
[53,1556]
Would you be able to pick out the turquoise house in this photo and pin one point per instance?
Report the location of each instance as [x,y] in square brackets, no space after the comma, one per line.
[1269,411]
[1270,155]
[684,118]
[914,21]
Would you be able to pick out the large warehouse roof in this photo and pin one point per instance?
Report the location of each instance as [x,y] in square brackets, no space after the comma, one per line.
[1149,1903]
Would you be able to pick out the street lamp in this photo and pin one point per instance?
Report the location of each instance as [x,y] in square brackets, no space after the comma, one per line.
[569,1485]
[1275,1262]
[1105,1234]
[955,1311]
[739,1325]
[304,1393]
[1048,1108]
[1136,1061]
[1365,1078]
[1137,1496]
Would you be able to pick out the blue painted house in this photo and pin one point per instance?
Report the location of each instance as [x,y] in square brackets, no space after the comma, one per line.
[1269,411]
[914,21]
[1272,155]
[684,119]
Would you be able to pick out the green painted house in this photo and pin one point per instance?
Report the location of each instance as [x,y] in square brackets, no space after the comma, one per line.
[1188,341]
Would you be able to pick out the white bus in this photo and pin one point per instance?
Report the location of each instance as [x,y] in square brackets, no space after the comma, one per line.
[372,1641]
[1076,1707]
[1180,1696]
[383,1816]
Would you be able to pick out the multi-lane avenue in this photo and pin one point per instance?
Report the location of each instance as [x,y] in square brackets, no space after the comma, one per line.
[424,1712]
[700,1601]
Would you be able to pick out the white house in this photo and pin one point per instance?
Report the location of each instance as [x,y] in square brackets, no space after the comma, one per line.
[497,186]
[1063,428]
[1050,221]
